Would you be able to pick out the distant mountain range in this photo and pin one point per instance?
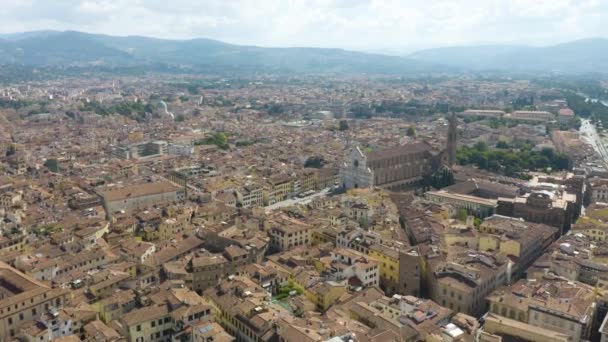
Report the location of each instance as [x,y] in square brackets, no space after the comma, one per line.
[70,48]
[580,56]
[78,49]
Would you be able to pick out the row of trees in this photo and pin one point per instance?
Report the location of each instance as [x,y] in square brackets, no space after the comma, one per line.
[314,162]
[439,179]
[587,109]
[133,110]
[511,162]
[219,139]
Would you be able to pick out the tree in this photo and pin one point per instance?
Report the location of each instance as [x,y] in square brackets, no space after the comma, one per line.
[192,89]
[481,146]
[462,214]
[343,125]
[411,131]
[315,162]
[52,165]
[221,140]
[502,144]
[512,162]
[11,150]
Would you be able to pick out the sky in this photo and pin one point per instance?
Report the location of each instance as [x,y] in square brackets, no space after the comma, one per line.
[366,25]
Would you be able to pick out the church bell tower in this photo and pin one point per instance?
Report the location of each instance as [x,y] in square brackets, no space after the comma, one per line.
[452,135]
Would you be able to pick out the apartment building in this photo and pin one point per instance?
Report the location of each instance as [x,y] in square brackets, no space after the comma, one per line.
[286,233]
[524,241]
[23,299]
[463,283]
[356,267]
[551,303]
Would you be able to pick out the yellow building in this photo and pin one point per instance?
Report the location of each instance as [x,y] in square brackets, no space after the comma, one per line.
[171,227]
[325,294]
[401,269]
[517,238]
[115,306]
[594,229]
[496,243]
[323,235]
[308,180]
[389,262]
[108,286]
[281,188]
[148,324]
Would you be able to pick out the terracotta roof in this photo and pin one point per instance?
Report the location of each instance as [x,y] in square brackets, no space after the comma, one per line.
[139,190]
[396,151]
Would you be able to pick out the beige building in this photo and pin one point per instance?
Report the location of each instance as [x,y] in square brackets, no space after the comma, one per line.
[210,332]
[208,270]
[529,115]
[515,238]
[287,233]
[481,207]
[599,190]
[463,283]
[552,208]
[23,300]
[550,303]
[171,317]
[484,112]
[140,196]
[497,329]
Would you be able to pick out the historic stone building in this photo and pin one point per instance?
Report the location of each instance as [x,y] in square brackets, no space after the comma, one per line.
[389,167]
[398,166]
[554,209]
[452,137]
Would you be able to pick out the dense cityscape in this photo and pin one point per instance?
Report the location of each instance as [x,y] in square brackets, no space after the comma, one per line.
[157,201]
[308,209]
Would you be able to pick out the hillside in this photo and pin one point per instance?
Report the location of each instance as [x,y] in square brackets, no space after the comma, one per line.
[581,56]
[53,48]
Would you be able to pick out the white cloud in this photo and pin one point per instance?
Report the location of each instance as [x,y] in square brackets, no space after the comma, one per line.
[355,24]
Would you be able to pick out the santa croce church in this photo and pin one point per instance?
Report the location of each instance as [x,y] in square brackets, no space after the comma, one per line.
[396,167]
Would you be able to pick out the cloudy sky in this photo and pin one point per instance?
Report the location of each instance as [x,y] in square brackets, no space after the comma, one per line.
[370,25]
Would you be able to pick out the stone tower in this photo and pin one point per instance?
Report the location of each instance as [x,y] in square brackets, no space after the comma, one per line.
[452,135]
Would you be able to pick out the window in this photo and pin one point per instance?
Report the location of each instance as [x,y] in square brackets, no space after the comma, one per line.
[153,324]
[138,328]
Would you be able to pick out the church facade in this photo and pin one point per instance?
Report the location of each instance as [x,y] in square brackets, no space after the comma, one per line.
[389,168]
[399,166]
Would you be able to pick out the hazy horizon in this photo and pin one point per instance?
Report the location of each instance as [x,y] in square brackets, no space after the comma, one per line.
[386,26]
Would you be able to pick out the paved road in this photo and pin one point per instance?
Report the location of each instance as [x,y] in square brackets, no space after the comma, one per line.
[297,200]
[591,135]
